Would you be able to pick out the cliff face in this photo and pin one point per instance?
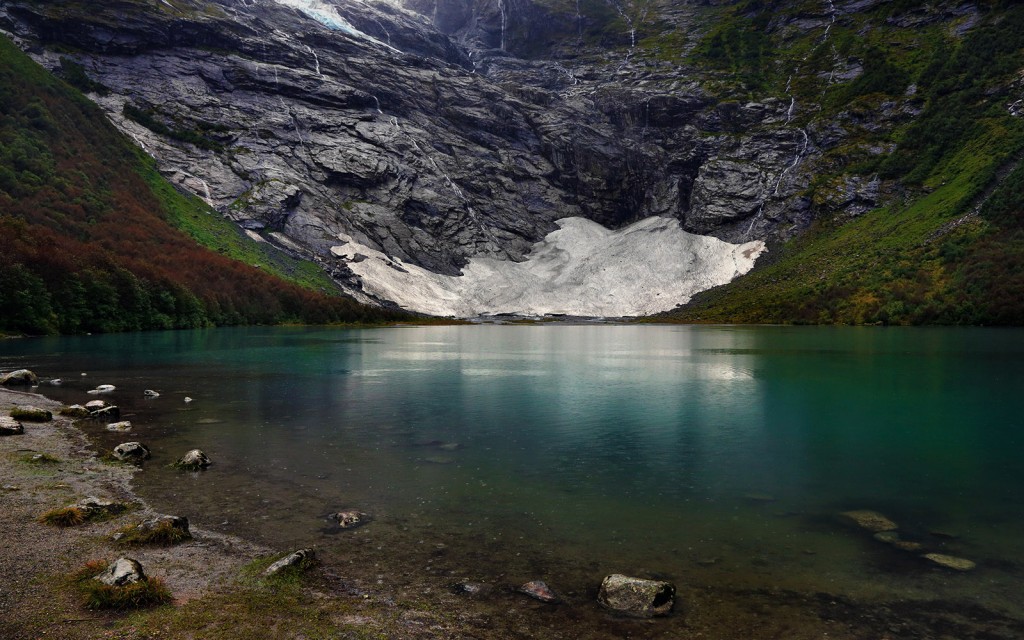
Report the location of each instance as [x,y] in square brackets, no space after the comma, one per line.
[432,133]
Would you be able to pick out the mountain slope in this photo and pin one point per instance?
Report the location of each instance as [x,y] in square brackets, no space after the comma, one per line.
[86,235]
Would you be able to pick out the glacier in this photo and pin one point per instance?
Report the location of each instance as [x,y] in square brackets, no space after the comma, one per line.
[580,269]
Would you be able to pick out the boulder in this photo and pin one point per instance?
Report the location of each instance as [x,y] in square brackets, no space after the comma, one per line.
[10,426]
[194,459]
[103,388]
[870,520]
[132,452]
[120,426]
[950,562]
[349,519]
[31,414]
[122,572]
[75,411]
[539,590]
[294,559]
[149,393]
[98,506]
[108,412]
[93,405]
[19,378]
[636,597]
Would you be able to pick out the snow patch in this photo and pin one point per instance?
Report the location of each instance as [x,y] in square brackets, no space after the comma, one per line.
[581,269]
[327,14]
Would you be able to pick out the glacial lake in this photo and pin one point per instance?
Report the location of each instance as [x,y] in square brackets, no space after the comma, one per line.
[717,457]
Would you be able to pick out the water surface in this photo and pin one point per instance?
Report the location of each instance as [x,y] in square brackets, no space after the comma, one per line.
[716,456]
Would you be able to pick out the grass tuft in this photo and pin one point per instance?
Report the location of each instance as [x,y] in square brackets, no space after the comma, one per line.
[65,517]
[163,533]
[40,459]
[96,595]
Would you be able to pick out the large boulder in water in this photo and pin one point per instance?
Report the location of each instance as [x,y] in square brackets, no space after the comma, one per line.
[636,597]
[194,459]
[19,378]
[132,452]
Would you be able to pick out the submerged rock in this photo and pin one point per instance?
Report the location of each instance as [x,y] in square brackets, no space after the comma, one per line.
[194,459]
[350,518]
[893,539]
[19,378]
[120,426]
[132,452]
[300,558]
[636,596]
[10,427]
[539,590]
[870,520]
[121,572]
[950,562]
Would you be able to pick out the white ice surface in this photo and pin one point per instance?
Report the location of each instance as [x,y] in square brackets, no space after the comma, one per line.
[327,14]
[582,269]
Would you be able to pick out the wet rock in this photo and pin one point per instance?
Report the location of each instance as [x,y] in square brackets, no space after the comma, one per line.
[194,459]
[19,378]
[93,405]
[56,382]
[869,520]
[187,399]
[103,388]
[122,572]
[350,518]
[893,539]
[539,590]
[636,597]
[149,393]
[108,412]
[164,521]
[950,562]
[10,427]
[132,452]
[122,426]
[300,558]
[75,411]
[471,588]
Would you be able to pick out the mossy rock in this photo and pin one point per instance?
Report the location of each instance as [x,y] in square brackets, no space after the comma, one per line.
[31,414]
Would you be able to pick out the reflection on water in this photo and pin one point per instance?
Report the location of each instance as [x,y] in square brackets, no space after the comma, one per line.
[718,454]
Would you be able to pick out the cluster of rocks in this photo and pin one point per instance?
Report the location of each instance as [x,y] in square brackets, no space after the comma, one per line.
[887,532]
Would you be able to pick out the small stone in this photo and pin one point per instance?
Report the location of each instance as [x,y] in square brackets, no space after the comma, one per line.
[174,522]
[19,378]
[870,520]
[121,572]
[11,487]
[539,590]
[187,399]
[294,559]
[93,405]
[132,452]
[120,426]
[103,388]
[471,588]
[149,393]
[636,597]
[10,427]
[194,459]
[56,382]
[950,562]
[98,505]
[350,519]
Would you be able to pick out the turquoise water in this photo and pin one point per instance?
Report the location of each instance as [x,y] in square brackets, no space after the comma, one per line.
[717,456]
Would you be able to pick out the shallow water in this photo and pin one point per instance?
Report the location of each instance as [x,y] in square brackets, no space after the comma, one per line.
[716,456]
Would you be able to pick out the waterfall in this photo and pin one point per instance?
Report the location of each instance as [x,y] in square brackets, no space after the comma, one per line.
[316,59]
[504,21]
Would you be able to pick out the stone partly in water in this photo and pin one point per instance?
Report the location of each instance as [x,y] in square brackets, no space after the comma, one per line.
[350,518]
[75,411]
[636,597]
[300,559]
[194,459]
[122,572]
[950,562]
[120,426]
[93,405]
[103,388]
[19,378]
[108,412]
[894,540]
[869,520]
[539,590]
[10,427]
[149,393]
[132,452]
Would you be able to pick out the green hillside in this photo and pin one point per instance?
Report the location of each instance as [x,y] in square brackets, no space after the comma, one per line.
[949,248]
[93,240]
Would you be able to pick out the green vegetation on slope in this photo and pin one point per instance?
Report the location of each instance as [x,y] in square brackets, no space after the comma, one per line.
[927,257]
[87,239]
